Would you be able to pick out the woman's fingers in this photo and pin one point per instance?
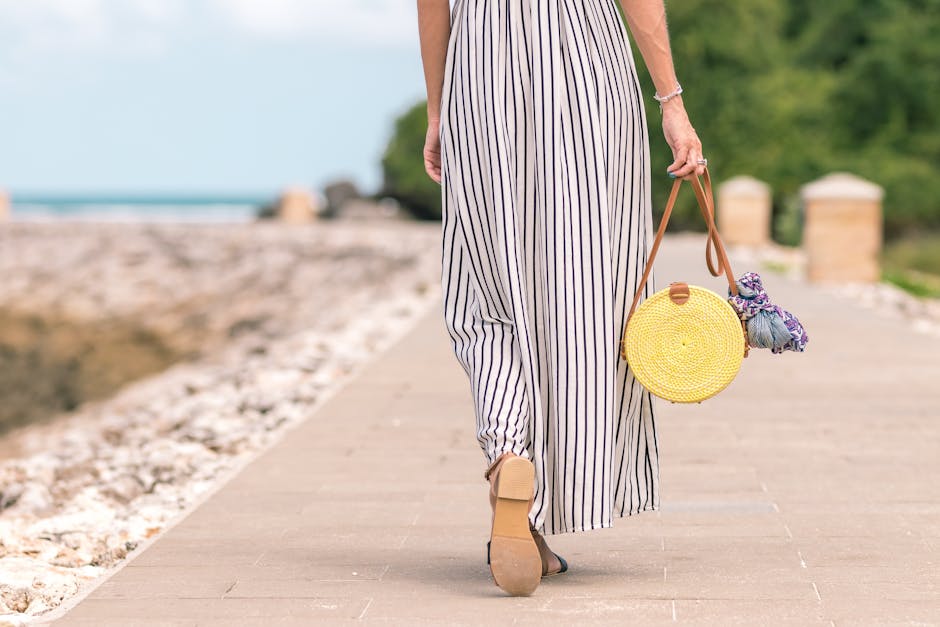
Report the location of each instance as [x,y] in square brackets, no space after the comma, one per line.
[433,170]
[432,165]
[687,167]
[690,164]
[432,153]
[695,159]
[686,170]
[681,156]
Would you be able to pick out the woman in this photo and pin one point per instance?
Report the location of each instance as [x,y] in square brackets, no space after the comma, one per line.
[537,135]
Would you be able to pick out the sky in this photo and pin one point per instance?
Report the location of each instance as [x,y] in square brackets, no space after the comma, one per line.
[234,96]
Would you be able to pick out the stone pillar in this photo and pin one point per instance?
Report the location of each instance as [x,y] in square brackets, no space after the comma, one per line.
[743,211]
[842,228]
[4,206]
[296,206]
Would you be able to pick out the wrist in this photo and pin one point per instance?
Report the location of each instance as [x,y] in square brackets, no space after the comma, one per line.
[663,98]
[671,101]
[673,104]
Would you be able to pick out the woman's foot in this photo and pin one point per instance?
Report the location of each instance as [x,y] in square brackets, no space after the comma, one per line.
[552,563]
[514,556]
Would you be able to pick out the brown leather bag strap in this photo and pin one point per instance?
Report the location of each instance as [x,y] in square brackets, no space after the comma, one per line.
[703,204]
[706,204]
[659,237]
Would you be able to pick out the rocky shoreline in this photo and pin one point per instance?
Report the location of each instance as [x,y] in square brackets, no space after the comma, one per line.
[274,319]
[50,365]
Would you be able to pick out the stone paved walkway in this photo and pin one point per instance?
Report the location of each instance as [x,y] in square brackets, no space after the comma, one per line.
[808,492]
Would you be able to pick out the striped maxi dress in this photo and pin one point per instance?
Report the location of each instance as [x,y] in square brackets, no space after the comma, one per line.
[546,227]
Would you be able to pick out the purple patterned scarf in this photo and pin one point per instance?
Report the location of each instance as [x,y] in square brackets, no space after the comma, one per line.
[768,325]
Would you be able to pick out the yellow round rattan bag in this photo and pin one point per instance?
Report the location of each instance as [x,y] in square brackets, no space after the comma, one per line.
[685,343]
[685,352]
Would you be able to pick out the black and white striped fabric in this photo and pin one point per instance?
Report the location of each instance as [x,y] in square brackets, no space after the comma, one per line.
[546,228]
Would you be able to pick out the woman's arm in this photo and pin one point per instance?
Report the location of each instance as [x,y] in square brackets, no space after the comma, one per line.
[434,31]
[647,22]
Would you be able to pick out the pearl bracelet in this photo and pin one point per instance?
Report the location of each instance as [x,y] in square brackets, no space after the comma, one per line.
[667,97]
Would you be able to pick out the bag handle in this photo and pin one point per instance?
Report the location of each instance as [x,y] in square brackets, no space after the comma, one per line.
[706,203]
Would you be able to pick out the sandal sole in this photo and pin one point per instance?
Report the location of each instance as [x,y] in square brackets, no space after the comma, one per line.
[515,561]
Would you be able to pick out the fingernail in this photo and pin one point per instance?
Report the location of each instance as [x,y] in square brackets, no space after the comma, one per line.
[671,175]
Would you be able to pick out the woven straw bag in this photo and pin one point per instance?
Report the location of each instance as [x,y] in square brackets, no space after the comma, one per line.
[685,343]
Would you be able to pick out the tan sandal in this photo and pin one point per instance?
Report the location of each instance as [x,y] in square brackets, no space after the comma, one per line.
[513,555]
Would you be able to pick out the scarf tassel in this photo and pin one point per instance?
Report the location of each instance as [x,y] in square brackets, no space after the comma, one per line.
[768,325]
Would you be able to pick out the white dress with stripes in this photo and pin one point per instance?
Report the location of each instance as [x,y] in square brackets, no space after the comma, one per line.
[546,227]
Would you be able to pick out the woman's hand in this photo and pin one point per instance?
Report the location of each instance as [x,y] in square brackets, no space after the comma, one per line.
[432,149]
[682,138]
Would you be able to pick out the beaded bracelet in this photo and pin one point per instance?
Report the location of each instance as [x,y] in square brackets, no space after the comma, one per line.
[663,99]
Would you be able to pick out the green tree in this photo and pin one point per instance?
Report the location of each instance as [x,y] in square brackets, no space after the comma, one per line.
[887,99]
[404,176]
[790,91]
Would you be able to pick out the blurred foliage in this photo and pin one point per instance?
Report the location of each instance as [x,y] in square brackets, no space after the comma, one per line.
[924,285]
[917,253]
[404,176]
[790,91]
[786,92]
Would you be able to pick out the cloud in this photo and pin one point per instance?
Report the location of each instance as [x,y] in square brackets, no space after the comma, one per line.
[355,21]
[31,29]
[29,26]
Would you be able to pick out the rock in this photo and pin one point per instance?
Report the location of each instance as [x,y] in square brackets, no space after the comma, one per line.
[27,499]
[123,489]
[267,211]
[338,193]
[13,599]
[362,209]
[30,586]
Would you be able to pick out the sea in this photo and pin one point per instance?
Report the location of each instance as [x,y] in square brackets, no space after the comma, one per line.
[138,208]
